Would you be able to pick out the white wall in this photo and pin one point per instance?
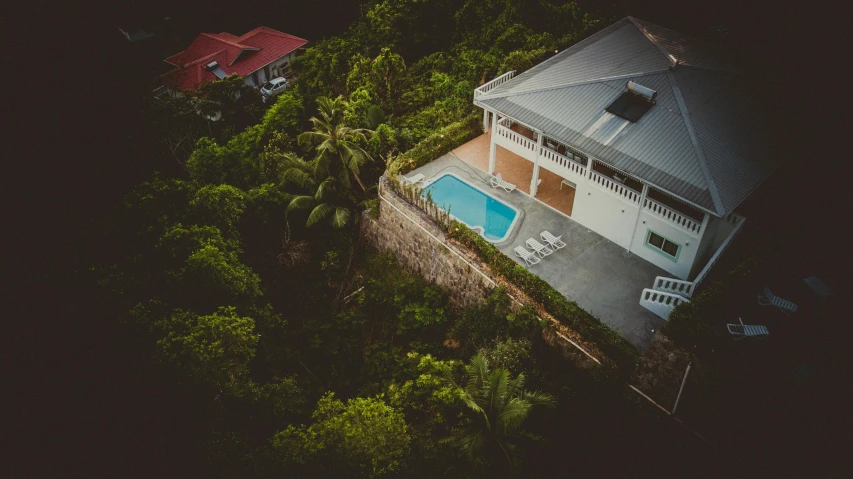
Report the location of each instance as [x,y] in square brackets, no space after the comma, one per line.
[614,217]
[605,213]
[690,245]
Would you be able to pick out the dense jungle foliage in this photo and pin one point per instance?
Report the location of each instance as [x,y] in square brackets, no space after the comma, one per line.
[324,357]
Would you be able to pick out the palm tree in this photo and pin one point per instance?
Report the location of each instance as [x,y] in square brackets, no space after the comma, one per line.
[338,155]
[328,196]
[500,405]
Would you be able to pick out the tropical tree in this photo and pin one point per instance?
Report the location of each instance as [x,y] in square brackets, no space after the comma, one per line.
[328,195]
[328,177]
[338,153]
[364,437]
[500,406]
[216,347]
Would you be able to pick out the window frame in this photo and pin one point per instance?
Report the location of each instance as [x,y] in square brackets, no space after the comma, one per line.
[660,250]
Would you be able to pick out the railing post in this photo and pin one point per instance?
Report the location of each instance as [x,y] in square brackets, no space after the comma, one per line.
[534,180]
[492,145]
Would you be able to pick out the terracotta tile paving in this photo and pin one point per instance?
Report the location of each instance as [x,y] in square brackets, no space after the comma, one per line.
[518,171]
[549,192]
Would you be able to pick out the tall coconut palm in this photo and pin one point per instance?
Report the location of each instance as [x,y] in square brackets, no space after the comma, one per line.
[500,405]
[327,196]
[338,155]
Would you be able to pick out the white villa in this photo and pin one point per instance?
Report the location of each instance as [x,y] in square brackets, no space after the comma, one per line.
[653,140]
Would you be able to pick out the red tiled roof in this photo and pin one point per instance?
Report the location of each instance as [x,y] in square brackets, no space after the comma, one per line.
[241,55]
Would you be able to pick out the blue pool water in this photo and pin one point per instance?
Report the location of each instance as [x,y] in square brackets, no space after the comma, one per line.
[479,211]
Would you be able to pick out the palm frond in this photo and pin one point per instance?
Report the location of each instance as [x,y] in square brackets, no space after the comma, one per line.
[470,444]
[324,187]
[311,138]
[318,213]
[498,389]
[538,398]
[512,416]
[300,203]
[298,177]
[341,217]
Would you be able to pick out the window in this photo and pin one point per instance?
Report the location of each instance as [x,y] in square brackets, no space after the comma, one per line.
[663,245]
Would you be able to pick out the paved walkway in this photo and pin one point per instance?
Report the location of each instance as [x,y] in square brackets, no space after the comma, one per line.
[598,275]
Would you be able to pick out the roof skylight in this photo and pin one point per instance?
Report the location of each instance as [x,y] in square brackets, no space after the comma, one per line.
[634,103]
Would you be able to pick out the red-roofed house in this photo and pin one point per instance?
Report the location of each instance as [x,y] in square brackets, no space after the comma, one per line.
[257,56]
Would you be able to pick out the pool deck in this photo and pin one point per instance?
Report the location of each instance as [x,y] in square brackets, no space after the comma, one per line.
[592,271]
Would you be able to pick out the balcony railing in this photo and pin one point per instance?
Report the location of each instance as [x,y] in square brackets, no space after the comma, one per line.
[521,140]
[573,166]
[618,189]
[484,88]
[673,217]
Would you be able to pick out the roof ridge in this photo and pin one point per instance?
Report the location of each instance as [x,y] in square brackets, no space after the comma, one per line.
[697,147]
[569,85]
[227,42]
[672,60]
[271,31]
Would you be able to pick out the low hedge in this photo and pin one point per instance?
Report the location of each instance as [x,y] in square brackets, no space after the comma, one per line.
[437,144]
[566,312]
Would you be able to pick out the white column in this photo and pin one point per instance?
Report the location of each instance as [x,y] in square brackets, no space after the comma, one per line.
[485,120]
[639,212]
[534,180]
[492,145]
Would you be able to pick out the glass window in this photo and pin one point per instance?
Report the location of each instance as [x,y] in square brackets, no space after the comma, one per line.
[268,86]
[662,244]
[670,248]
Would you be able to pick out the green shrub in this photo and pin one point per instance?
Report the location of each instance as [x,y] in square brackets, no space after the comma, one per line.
[436,145]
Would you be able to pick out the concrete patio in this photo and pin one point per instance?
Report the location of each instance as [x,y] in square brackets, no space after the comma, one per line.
[598,275]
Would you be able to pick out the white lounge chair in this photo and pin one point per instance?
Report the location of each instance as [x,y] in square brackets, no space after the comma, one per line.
[498,182]
[413,179]
[538,247]
[527,256]
[554,241]
[740,331]
[769,299]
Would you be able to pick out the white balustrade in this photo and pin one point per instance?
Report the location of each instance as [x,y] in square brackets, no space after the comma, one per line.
[517,138]
[673,217]
[484,88]
[661,303]
[675,286]
[615,188]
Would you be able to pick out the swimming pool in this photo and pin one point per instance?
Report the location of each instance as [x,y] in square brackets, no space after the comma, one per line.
[480,211]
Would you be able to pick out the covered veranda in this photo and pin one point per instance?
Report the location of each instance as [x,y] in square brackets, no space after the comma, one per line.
[519,171]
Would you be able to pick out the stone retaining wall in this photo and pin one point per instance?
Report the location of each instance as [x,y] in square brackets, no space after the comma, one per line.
[405,230]
[423,248]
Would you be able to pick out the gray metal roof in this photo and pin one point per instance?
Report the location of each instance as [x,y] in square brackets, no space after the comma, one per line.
[700,141]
